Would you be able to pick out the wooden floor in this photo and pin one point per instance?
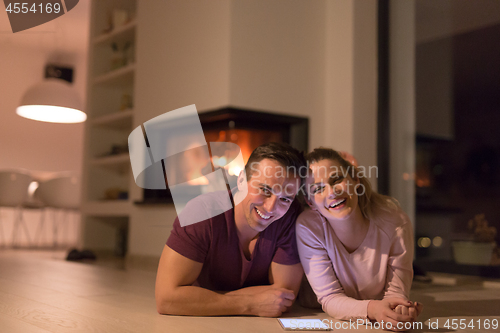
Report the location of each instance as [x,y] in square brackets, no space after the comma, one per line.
[40,292]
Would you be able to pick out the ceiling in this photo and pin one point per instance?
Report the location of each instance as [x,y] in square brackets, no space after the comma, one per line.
[435,19]
[475,25]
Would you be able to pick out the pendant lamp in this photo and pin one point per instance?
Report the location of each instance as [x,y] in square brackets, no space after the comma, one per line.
[53,100]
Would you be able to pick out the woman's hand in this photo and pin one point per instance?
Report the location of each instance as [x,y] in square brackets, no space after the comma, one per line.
[414,310]
[384,311]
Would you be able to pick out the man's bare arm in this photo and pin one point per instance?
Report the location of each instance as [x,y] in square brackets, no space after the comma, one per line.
[280,276]
[176,295]
[286,276]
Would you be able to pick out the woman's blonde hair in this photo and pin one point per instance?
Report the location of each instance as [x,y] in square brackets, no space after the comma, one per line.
[369,201]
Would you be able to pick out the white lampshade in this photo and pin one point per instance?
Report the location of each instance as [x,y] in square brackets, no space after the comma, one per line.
[53,100]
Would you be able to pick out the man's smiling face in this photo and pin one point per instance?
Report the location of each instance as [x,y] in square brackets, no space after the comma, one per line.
[270,194]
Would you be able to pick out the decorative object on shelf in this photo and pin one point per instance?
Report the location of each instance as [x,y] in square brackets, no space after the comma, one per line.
[482,232]
[115,193]
[126,102]
[116,149]
[54,99]
[479,250]
[119,149]
[121,56]
[129,52]
[109,24]
[495,259]
[117,19]
[120,17]
[117,59]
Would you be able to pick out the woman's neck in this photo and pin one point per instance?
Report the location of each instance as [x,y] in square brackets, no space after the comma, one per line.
[351,231]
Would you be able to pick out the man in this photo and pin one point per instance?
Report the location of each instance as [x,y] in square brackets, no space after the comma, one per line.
[244,261]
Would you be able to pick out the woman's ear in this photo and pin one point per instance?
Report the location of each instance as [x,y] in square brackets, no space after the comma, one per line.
[309,202]
[307,196]
[355,175]
[307,199]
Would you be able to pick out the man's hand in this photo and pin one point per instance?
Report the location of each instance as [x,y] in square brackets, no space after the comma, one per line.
[271,303]
[413,310]
[349,158]
[384,311]
[176,294]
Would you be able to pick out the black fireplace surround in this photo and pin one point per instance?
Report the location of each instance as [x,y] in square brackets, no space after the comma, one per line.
[282,128]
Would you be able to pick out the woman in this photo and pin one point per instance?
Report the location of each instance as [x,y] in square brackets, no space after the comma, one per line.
[356,246]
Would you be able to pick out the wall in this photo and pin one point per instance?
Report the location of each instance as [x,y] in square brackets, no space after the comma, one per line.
[365,76]
[182,56]
[278,59]
[445,18]
[402,103]
[31,144]
[39,146]
[182,59]
[293,57]
[434,89]
[27,143]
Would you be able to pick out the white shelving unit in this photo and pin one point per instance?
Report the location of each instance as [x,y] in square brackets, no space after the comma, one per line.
[117,76]
[119,162]
[106,208]
[120,120]
[110,98]
[125,32]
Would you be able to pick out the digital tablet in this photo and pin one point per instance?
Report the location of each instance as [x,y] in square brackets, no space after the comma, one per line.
[294,324]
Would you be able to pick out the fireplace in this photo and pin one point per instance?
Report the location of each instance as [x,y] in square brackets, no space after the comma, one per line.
[245,128]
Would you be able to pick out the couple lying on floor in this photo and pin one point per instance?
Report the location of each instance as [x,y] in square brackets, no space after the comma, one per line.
[354,245]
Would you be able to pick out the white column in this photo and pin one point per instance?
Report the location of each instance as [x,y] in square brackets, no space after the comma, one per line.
[402,103]
[350,121]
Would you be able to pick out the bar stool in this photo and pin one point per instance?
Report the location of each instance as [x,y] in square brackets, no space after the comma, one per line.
[13,192]
[60,194]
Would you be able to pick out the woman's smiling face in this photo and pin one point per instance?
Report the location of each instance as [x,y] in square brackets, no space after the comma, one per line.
[331,190]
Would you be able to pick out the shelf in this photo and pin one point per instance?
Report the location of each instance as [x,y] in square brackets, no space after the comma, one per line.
[110,88]
[117,120]
[116,76]
[450,267]
[125,32]
[107,208]
[120,163]
[149,202]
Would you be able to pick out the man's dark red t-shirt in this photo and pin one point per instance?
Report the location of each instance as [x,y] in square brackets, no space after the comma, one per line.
[214,242]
